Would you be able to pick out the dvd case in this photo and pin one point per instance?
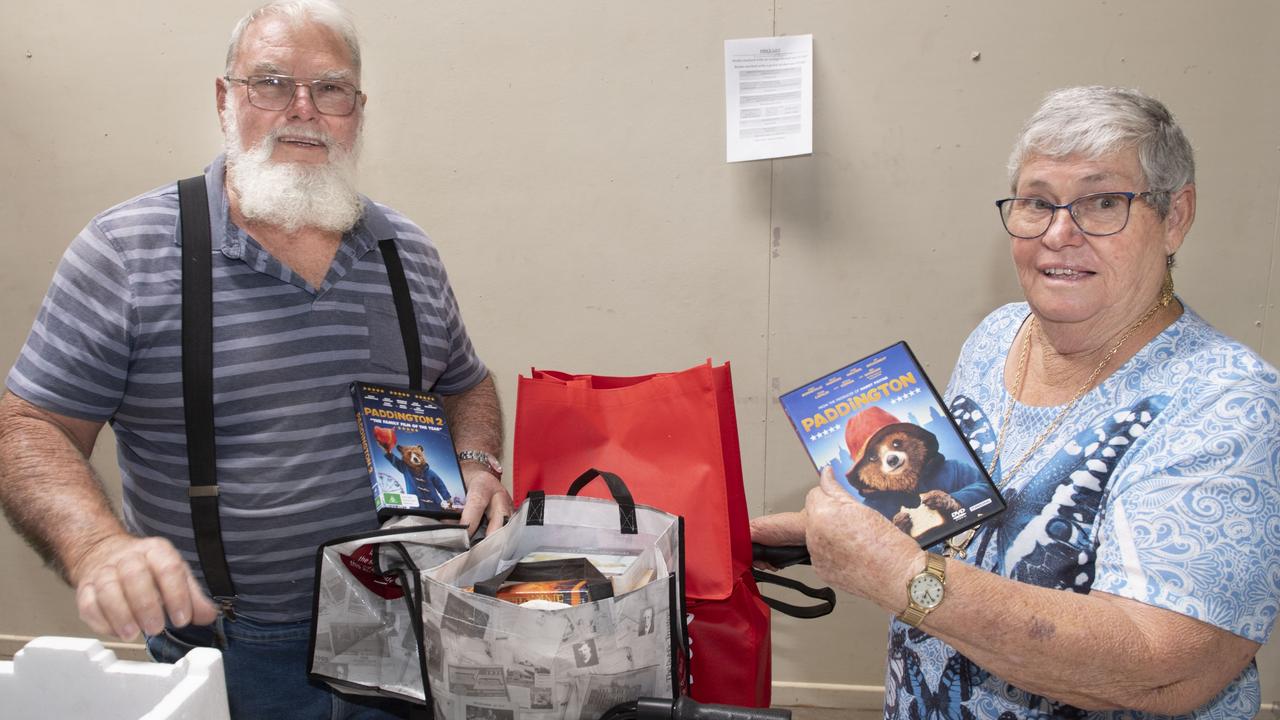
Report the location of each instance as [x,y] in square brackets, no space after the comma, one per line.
[885,431]
[408,451]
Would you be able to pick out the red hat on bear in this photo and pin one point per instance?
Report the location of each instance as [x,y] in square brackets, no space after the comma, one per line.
[862,427]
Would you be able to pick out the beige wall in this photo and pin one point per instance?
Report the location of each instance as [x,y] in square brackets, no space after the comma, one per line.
[568,159]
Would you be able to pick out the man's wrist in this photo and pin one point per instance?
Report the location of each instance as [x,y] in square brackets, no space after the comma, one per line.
[482,459]
[72,562]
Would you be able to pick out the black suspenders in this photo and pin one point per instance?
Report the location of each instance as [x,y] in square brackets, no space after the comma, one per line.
[197,387]
[197,375]
[404,311]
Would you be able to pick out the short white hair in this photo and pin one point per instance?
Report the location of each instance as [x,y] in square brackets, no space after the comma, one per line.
[323,12]
[1095,121]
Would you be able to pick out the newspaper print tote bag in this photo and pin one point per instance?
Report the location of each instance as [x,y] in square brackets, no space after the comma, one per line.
[366,627]
[487,657]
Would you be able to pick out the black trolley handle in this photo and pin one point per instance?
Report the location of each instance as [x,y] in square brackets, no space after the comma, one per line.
[780,556]
[682,708]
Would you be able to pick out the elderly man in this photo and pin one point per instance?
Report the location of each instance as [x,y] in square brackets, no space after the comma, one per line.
[302,304]
[1136,570]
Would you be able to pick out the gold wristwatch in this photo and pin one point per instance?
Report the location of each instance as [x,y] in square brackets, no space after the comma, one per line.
[924,591]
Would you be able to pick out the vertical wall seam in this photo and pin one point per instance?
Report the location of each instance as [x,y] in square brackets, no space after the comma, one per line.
[1267,298]
[767,395]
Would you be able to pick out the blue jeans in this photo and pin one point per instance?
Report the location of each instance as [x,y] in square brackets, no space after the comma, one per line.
[266,671]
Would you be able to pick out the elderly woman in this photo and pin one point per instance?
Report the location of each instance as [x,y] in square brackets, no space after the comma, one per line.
[1137,566]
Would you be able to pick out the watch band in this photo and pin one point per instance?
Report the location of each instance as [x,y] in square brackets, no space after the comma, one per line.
[481,457]
[913,615]
[935,565]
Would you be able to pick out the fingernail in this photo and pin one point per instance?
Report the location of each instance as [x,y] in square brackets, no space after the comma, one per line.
[128,632]
[180,618]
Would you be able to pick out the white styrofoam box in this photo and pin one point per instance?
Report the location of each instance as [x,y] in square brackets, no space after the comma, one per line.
[52,678]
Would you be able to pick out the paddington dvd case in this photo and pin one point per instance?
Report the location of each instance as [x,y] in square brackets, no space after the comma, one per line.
[884,430]
[408,451]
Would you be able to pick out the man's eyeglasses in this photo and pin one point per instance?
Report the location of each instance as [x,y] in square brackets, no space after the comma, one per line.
[1098,214]
[275,92]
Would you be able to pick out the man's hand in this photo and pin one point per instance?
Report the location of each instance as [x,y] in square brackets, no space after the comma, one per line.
[856,548]
[125,583]
[486,497]
[476,420]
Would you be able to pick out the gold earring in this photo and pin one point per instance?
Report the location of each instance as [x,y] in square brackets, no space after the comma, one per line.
[1166,290]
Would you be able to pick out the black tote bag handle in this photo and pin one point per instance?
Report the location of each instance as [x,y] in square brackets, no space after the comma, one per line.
[617,488]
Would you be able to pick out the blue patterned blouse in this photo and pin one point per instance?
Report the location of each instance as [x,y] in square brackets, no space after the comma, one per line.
[1160,486]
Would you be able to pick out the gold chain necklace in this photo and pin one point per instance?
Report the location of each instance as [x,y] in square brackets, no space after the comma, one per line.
[957,545]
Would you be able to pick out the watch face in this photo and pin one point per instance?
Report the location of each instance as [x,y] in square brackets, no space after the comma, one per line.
[926,590]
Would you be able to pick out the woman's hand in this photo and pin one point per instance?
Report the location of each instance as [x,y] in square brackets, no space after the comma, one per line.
[857,549]
[779,530]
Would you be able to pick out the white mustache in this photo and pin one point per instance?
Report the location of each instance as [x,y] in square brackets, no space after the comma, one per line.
[299,133]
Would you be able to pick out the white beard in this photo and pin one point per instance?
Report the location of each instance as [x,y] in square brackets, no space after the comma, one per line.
[290,195]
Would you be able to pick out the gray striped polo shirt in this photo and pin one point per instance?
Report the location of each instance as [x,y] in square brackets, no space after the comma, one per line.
[106,346]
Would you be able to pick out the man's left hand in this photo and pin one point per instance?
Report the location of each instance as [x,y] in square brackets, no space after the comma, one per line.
[486,497]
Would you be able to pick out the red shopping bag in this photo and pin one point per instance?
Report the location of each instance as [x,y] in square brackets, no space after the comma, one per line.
[674,437]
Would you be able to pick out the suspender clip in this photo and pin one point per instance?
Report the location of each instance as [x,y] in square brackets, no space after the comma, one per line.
[226,605]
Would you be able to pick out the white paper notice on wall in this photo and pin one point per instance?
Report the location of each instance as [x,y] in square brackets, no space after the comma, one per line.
[768,97]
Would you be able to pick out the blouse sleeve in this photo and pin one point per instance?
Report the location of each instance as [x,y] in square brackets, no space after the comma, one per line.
[1193,523]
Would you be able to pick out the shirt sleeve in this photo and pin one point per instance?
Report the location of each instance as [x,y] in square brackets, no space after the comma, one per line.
[75,360]
[465,370]
[1193,525]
